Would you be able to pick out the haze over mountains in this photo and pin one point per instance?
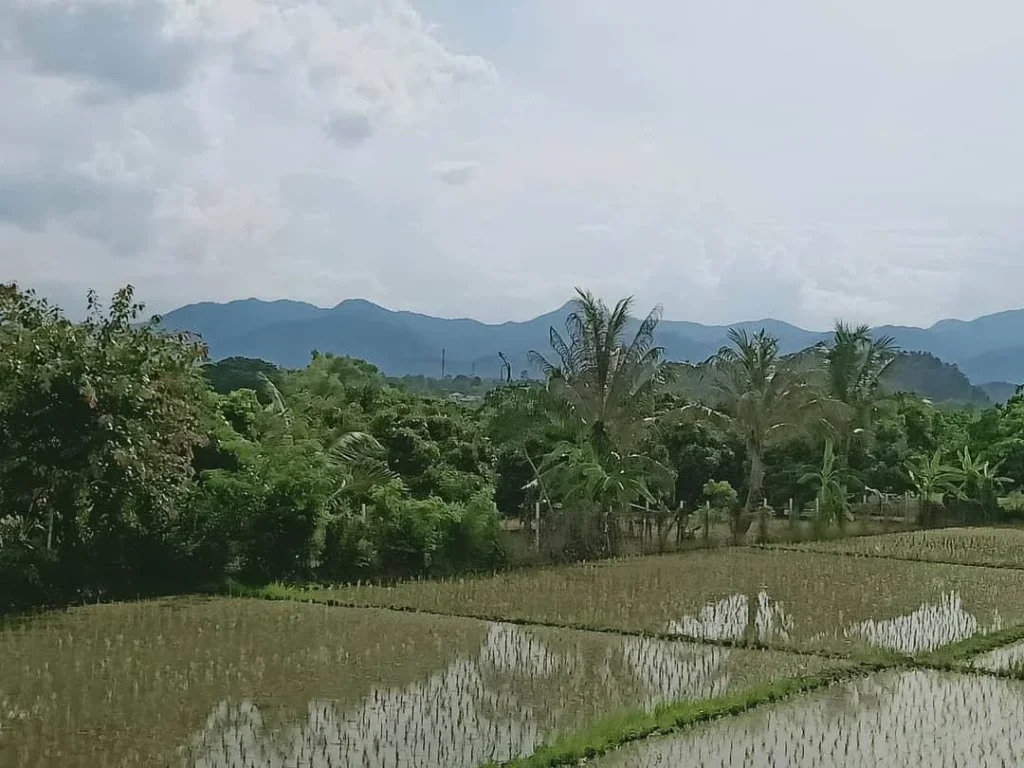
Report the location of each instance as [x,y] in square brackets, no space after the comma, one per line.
[988,349]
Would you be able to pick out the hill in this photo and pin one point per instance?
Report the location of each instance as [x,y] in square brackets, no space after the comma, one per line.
[410,344]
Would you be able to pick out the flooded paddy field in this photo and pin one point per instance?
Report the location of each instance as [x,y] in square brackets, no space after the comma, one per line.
[235,683]
[916,718]
[807,601]
[996,547]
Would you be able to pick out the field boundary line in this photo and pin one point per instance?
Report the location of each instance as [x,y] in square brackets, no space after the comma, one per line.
[260,593]
[619,729]
[877,556]
[950,657]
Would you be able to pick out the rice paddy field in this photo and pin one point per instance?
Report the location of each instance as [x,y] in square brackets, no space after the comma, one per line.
[994,547]
[793,600]
[910,718]
[238,683]
[887,659]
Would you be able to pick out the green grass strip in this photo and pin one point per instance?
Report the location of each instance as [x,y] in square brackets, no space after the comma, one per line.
[952,656]
[622,728]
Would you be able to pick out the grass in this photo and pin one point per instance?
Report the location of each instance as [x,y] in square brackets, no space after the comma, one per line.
[990,547]
[187,680]
[626,727]
[802,601]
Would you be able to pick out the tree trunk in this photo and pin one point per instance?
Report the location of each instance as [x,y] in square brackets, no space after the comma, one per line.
[742,518]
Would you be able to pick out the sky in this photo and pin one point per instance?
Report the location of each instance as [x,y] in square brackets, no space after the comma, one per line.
[731,160]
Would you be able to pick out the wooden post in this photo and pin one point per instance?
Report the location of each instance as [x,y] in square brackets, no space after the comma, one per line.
[536,526]
[792,512]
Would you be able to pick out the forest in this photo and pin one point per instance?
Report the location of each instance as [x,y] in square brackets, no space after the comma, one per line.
[130,464]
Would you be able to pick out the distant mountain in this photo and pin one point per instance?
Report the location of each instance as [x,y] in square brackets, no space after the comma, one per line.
[928,376]
[989,349]
[999,391]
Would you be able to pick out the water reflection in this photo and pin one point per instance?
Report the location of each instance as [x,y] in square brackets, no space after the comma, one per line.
[1010,657]
[729,619]
[519,687]
[919,719]
[929,627]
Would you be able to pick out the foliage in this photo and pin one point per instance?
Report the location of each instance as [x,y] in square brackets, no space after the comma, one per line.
[98,423]
[762,399]
[130,464]
[934,480]
[830,480]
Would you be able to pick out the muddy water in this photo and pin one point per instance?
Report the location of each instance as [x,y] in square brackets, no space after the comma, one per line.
[916,719]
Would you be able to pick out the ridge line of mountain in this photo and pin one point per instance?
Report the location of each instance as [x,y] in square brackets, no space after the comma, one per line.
[989,349]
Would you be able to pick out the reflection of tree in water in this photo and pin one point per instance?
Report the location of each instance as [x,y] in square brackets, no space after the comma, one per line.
[520,687]
[929,627]
[732,619]
[919,719]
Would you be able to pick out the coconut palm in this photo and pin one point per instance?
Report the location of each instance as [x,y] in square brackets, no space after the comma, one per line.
[762,398]
[600,387]
[604,381]
[854,364]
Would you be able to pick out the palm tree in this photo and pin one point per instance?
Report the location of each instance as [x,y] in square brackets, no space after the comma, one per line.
[933,480]
[599,390]
[605,382]
[762,398]
[854,365]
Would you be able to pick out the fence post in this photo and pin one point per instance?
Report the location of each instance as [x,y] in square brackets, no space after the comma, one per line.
[536,526]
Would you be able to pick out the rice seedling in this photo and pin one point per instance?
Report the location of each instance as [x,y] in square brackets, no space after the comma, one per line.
[994,547]
[783,599]
[227,683]
[915,718]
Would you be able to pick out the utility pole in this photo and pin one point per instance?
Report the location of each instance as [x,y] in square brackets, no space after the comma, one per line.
[442,362]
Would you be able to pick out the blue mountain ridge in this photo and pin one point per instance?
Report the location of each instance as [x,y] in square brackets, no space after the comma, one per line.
[987,349]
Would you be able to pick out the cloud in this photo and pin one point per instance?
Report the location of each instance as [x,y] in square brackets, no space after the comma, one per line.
[805,163]
[349,128]
[118,44]
[456,173]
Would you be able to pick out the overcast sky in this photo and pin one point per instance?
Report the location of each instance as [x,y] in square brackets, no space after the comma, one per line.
[732,160]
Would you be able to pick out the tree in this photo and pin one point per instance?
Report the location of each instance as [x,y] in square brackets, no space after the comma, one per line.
[606,384]
[721,500]
[761,398]
[981,481]
[934,480]
[830,481]
[854,365]
[602,389]
[98,424]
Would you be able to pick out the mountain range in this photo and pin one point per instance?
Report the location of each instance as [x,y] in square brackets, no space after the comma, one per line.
[988,350]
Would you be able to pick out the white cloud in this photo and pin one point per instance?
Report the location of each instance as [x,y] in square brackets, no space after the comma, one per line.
[730,160]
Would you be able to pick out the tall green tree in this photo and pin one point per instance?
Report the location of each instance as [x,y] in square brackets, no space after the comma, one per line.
[602,387]
[762,398]
[607,383]
[854,364]
[98,423]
